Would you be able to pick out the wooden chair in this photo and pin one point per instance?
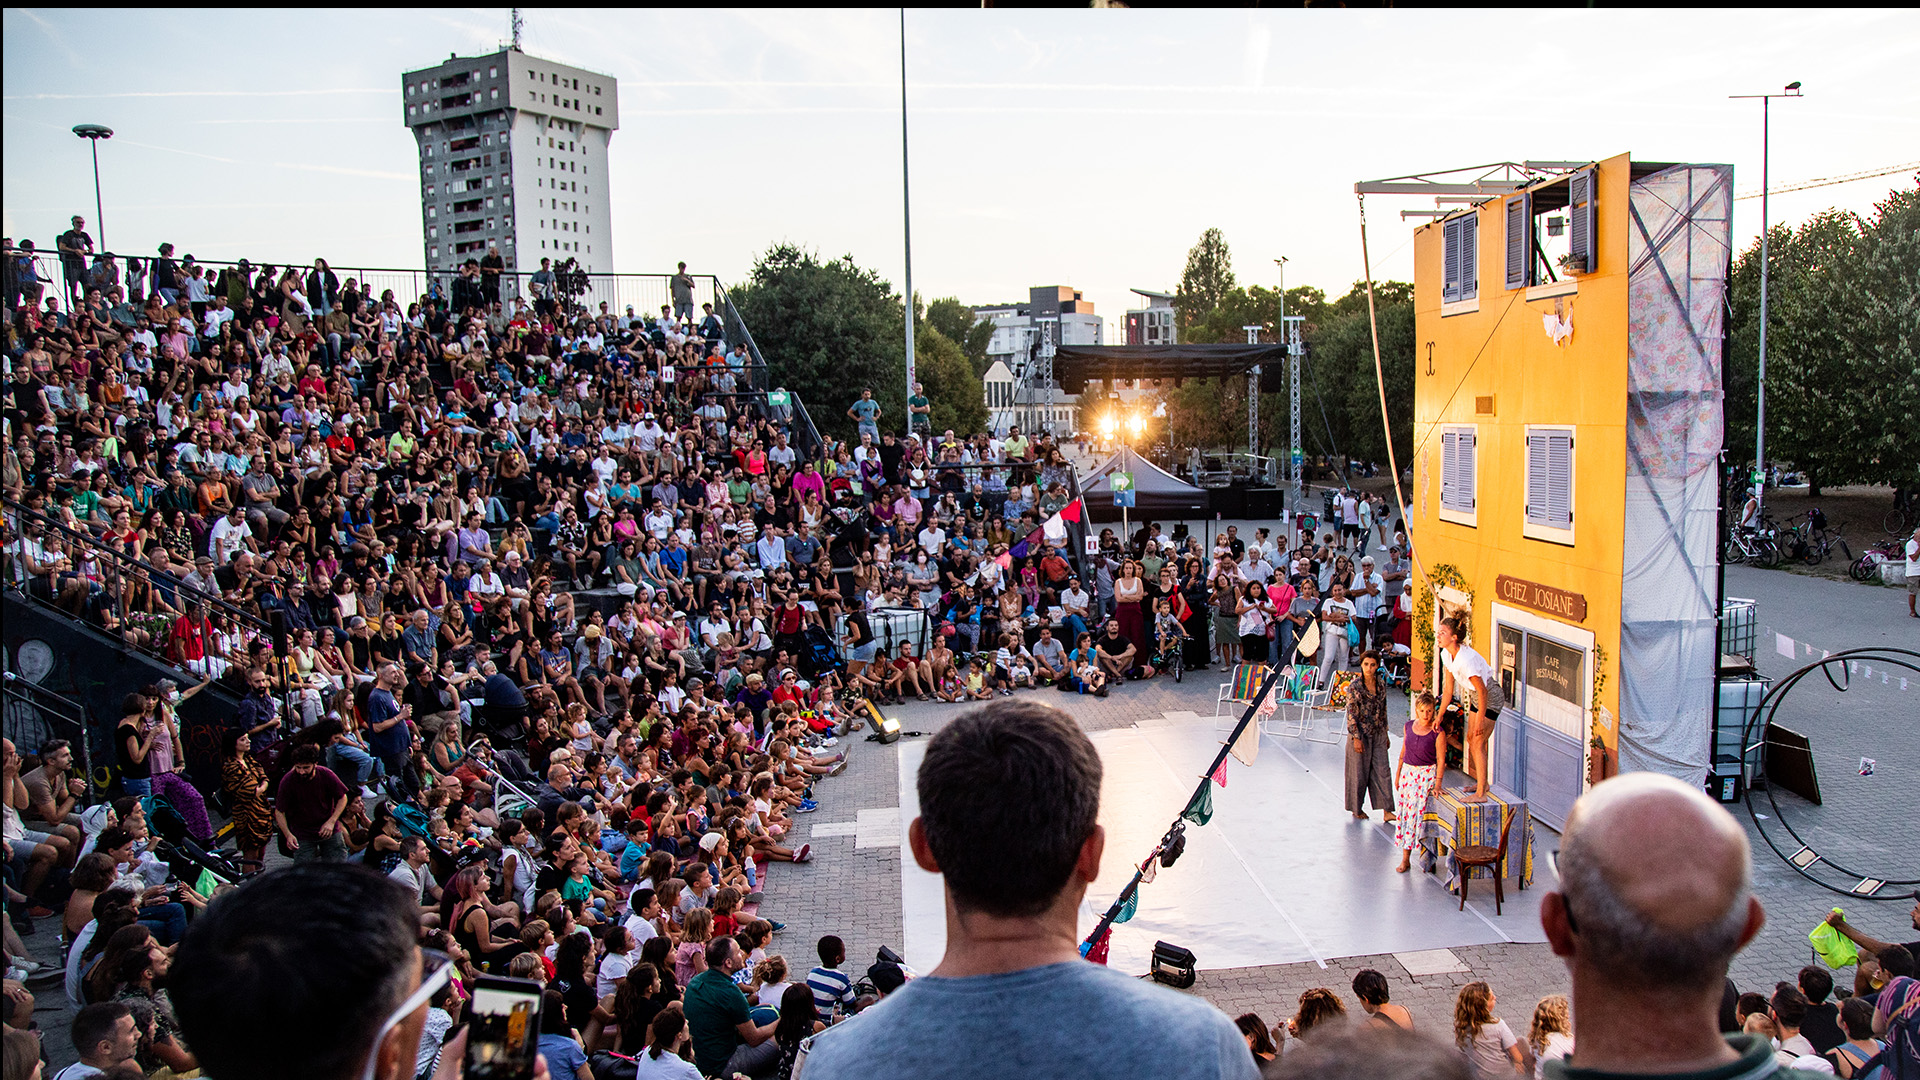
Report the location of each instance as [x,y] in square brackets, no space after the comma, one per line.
[1494,858]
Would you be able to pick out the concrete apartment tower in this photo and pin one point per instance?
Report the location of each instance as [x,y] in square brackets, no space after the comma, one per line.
[513,155]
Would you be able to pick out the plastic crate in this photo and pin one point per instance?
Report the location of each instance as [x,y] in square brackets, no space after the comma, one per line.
[1739,627]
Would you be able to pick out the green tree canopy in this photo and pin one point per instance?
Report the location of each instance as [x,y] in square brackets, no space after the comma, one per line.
[1843,344]
[827,329]
[1206,280]
[1339,396]
[953,389]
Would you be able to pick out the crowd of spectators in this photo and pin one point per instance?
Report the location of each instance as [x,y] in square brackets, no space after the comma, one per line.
[572,627]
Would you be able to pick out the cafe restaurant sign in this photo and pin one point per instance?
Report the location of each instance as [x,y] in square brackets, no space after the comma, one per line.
[1545,599]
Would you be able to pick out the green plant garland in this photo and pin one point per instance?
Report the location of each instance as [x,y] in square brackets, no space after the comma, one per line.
[1599,684]
[1441,575]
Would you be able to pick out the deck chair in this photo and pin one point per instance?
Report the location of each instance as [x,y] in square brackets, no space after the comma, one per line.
[1296,683]
[1239,689]
[1324,711]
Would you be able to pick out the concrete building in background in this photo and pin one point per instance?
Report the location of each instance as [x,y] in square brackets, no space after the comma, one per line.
[1153,324]
[1018,330]
[513,155]
[1017,326]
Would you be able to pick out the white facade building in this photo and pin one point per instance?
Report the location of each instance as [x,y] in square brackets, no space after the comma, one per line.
[1153,324]
[513,155]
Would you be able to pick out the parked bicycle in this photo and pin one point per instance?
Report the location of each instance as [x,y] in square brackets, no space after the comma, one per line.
[1759,546]
[1812,540]
[1867,566]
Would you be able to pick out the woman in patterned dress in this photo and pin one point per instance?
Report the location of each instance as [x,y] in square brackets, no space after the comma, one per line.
[1417,776]
[246,785]
[1367,740]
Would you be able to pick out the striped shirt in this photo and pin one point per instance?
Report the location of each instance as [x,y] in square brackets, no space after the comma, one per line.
[830,985]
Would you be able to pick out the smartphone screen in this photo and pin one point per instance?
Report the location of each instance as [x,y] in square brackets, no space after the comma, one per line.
[504,1032]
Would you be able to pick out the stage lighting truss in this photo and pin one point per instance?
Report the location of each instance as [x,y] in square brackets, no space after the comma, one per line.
[1798,853]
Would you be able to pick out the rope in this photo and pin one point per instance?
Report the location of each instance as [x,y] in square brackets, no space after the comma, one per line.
[1380,383]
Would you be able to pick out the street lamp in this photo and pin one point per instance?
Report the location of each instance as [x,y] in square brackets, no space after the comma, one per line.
[93,133]
[1791,90]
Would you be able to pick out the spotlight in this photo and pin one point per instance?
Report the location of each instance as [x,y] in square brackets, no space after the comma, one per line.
[885,728]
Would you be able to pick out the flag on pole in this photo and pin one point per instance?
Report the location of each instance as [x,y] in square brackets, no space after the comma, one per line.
[1220,772]
[1247,746]
[1019,550]
[1096,950]
[1055,529]
[1071,511]
[1127,909]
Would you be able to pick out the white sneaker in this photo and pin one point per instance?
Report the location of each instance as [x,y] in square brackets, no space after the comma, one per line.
[369,793]
[829,741]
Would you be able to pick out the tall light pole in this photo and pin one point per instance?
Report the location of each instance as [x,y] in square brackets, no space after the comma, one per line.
[93,133]
[906,214]
[1792,89]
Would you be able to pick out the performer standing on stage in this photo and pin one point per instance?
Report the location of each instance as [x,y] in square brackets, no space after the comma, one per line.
[1368,741]
[1463,669]
[1423,752]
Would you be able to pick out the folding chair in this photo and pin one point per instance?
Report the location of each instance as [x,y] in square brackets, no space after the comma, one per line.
[1239,689]
[1321,721]
[1298,682]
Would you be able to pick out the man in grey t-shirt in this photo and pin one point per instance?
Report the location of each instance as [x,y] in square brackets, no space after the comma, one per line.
[1008,798]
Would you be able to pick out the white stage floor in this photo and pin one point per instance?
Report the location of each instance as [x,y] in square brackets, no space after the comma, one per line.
[1282,874]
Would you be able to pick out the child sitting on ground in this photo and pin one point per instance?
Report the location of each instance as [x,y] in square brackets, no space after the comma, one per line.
[979,672]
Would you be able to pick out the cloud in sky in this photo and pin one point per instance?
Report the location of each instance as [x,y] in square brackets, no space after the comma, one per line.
[1077,147]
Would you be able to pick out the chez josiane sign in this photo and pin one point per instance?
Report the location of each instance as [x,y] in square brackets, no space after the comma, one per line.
[1545,599]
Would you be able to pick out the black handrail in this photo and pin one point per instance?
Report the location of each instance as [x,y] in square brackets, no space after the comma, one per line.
[812,446]
[213,600]
[57,706]
[114,566]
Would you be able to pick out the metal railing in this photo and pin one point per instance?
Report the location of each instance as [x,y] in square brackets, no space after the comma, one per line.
[108,594]
[646,293]
[36,714]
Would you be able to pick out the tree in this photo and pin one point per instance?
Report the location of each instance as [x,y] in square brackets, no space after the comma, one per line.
[1340,403]
[1207,279]
[1843,343]
[953,389]
[954,319]
[826,330]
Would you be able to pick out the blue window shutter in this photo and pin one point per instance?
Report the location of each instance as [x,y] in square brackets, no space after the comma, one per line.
[1536,480]
[1450,262]
[1467,487]
[1449,469]
[1580,243]
[1470,256]
[1519,240]
[1559,447]
[1550,479]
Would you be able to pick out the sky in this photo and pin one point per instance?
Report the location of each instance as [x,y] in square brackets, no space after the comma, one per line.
[1087,148]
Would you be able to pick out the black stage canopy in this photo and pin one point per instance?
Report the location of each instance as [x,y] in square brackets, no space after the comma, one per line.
[1075,365]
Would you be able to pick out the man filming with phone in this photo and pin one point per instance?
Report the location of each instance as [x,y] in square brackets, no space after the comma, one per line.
[313,972]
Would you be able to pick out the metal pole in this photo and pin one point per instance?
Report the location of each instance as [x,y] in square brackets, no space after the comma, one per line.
[1760,421]
[99,215]
[906,212]
[1253,397]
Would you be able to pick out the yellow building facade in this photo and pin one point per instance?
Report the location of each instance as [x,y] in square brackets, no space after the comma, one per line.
[1566,434]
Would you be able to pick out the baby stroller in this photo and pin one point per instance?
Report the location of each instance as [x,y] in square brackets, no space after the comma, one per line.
[818,656]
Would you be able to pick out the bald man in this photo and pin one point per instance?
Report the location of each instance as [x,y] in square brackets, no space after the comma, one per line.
[1654,901]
